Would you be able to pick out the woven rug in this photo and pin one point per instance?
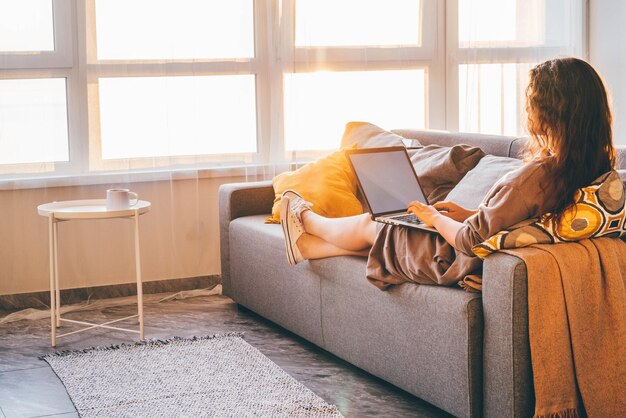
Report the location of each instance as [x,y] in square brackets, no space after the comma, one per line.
[216,376]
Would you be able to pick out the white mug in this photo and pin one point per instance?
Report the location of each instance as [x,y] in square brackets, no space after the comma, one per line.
[120,199]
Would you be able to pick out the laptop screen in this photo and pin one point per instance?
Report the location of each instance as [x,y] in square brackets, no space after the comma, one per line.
[387,179]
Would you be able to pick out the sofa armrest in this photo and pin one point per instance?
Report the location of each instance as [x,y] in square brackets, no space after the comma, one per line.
[507,374]
[237,200]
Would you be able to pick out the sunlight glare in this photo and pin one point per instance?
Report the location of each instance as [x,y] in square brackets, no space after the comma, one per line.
[26,25]
[21,103]
[491,98]
[174,116]
[357,22]
[318,105]
[156,30]
[506,23]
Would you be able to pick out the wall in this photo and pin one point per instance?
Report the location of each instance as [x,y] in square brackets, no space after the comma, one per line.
[607,53]
[179,236]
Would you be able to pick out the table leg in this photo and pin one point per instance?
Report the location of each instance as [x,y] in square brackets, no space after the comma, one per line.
[56,274]
[52,280]
[138,273]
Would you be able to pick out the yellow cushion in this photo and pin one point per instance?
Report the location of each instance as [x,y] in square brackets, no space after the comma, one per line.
[328,183]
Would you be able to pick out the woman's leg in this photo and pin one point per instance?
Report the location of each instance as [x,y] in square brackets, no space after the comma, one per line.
[312,247]
[353,233]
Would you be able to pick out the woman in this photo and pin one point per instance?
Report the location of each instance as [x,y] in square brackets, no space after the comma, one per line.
[569,121]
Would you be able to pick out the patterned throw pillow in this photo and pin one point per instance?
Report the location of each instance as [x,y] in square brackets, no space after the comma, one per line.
[599,212]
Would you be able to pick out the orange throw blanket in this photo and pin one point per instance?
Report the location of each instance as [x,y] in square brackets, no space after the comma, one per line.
[577,327]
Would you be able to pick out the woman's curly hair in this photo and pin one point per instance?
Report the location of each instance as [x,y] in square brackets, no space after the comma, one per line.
[569,121]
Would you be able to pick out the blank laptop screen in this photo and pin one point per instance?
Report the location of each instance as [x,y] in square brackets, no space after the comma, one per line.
[387,179]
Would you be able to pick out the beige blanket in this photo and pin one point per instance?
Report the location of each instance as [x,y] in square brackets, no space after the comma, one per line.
[577,327]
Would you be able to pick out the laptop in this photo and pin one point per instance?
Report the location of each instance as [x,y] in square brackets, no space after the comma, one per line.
[388,183]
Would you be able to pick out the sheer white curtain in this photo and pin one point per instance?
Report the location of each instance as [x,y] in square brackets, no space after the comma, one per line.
[150,85]
[156,96]
[459,65]
[361,60]
[491,46]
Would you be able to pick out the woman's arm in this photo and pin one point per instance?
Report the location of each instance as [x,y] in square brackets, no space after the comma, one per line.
[447,227]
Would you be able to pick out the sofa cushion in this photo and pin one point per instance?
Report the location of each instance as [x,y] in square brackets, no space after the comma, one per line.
[473,188]
[424,339]
[262,280]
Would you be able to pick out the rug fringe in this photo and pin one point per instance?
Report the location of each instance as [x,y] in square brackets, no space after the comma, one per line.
[152,342]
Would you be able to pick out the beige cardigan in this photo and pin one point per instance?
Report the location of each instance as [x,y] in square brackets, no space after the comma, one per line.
[401,254]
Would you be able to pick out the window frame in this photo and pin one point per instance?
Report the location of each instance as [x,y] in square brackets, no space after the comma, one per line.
[60,57]
[428,56]
[59,63]
[74,58]
[95,69]
[504,55]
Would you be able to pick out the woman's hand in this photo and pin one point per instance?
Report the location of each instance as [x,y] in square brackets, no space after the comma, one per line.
[454,211]
[426,213]
[447,226]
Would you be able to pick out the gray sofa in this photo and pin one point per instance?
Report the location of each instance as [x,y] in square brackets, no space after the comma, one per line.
[466,353]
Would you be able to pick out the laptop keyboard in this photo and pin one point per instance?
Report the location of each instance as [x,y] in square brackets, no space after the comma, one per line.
[410,218]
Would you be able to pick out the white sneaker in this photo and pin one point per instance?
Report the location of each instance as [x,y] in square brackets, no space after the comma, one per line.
[291,206]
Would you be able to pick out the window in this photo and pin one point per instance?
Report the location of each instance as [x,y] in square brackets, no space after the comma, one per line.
[175,83]
[318,104]
[26,26]
[123,85]
[491,97]
[176,116]
[35,34]
[35,64]
[360,60]
[334,23]
[174,29]
[23,101]
[491,48]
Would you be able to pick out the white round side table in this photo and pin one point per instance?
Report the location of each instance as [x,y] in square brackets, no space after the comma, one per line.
[83,210]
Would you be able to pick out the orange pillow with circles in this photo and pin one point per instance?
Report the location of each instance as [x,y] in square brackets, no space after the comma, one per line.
[329,183]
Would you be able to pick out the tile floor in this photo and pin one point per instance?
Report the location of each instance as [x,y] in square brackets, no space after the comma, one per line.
[29,388]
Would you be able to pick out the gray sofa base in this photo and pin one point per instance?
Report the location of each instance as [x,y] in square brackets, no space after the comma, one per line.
[395,335]
[468,355]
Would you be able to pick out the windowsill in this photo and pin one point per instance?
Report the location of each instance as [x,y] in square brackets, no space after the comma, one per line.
[258,170]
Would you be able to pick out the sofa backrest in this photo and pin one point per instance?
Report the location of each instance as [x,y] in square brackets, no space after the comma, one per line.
[490,144]
[504,146]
